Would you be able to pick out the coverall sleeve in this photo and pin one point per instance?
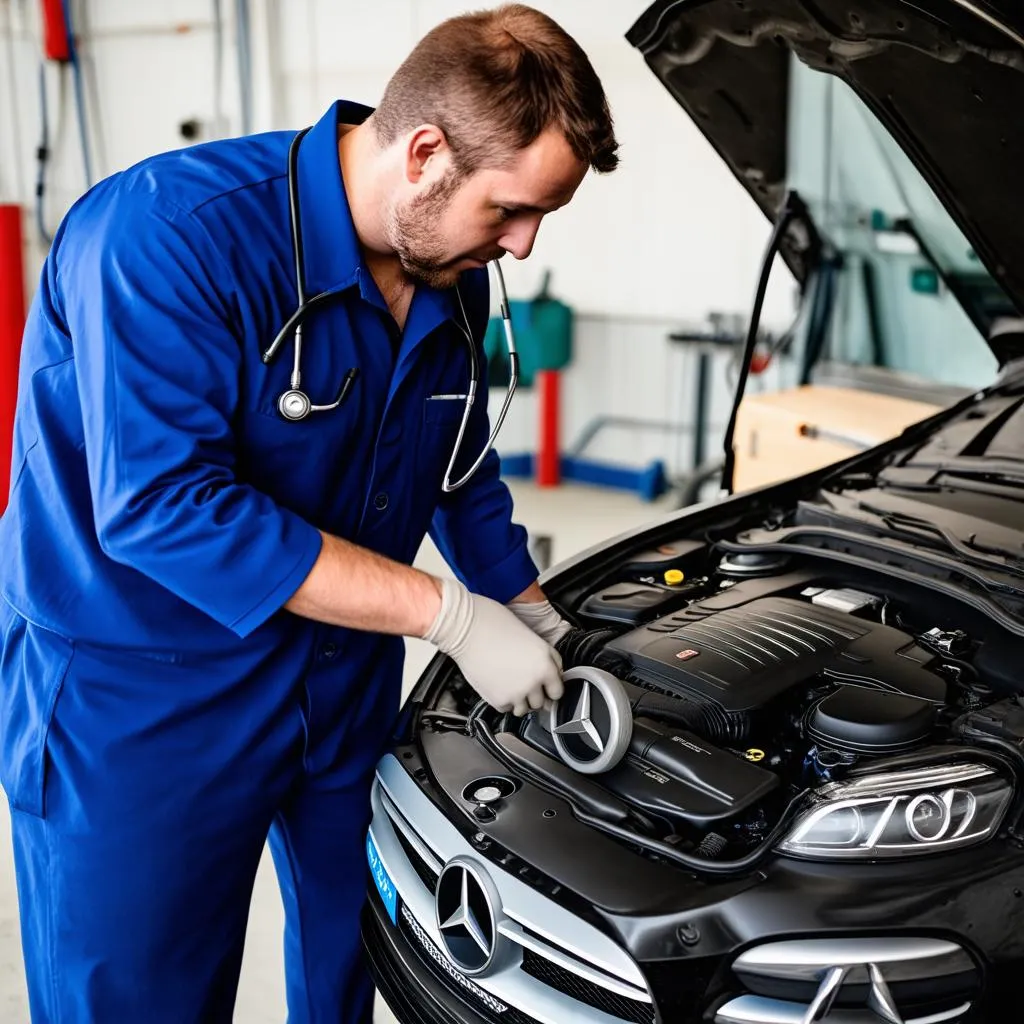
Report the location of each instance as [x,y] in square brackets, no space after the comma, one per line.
[147,302]
[473,527]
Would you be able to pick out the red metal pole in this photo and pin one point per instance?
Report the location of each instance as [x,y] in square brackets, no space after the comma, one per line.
[548,451]
[12,326]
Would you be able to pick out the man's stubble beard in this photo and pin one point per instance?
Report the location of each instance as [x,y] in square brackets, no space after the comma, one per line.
[411,231]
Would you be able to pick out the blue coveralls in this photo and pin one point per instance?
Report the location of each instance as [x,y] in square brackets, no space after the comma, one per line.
[160,712]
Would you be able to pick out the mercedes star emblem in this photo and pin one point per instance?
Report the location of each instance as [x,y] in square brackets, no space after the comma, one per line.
[466,909]
[580,723]
[592,723]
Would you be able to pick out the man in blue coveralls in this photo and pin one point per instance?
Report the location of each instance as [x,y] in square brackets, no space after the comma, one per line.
[203,601]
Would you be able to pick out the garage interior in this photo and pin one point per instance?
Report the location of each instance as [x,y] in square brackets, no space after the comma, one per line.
[649,274]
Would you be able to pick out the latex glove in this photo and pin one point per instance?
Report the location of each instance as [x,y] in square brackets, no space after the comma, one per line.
[511,667]
[542,618]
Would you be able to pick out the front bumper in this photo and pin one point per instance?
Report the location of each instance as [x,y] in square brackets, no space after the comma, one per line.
[799,933]
[414,993]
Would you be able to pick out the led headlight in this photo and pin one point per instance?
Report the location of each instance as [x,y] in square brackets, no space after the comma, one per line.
[901,814]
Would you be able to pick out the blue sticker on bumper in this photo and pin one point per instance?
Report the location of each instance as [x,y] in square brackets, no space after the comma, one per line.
[382,879]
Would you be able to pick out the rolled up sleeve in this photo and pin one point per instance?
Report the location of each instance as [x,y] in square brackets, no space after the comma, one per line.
[473,527]
[147,303]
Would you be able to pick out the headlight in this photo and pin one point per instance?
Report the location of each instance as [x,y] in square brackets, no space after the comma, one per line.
[901,814]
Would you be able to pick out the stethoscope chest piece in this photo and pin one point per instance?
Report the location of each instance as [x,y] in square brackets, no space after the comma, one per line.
[294,405]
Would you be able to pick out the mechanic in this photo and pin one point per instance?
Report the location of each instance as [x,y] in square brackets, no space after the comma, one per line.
[204,599]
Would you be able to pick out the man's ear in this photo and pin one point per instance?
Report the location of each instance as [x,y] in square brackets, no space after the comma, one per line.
[426,144]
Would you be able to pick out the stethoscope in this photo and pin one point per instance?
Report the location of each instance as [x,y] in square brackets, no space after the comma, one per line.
[294,404]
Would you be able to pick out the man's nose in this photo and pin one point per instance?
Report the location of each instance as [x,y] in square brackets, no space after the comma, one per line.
[520,237]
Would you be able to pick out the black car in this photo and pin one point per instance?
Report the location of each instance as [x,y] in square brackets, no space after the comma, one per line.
[785,782]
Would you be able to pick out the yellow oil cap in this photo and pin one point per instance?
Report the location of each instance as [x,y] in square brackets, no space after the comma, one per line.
[674,576]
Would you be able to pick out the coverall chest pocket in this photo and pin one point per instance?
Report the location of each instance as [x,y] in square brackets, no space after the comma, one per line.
[441,418]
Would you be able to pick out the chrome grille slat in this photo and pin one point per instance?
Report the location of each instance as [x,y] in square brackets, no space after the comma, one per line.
[905,959]
[761,1010]
[852,981]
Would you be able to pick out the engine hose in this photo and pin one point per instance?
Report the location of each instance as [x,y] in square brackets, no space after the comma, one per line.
[700,865]
[586,647]
[706,720]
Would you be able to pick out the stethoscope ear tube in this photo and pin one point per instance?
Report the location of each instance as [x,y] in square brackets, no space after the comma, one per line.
[513,358]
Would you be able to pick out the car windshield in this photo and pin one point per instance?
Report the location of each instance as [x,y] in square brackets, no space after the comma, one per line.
[904,256]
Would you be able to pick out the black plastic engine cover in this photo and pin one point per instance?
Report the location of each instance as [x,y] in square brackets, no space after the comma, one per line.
[670,772]
[744,657]
[630,603]
[681,776]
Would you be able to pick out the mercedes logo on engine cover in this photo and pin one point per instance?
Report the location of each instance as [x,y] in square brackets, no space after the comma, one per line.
[592,722]
[580,723]
[466,907]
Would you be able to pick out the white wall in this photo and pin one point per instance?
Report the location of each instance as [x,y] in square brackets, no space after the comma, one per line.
[658,244]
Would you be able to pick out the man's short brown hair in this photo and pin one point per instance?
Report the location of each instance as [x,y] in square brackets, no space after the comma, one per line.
[493,81]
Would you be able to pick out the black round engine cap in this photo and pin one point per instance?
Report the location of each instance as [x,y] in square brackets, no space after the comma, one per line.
[868,721]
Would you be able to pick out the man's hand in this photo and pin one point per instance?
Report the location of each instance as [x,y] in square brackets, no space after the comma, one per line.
[511,667]
[533,609]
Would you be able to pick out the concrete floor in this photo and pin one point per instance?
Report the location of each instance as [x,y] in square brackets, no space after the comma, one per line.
[575,518]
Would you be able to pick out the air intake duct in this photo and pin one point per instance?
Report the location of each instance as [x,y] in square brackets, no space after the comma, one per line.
[586,647]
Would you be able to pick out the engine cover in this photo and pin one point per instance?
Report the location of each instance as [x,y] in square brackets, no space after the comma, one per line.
[744,657]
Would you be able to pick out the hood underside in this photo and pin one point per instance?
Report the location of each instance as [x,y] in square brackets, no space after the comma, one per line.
[945,78]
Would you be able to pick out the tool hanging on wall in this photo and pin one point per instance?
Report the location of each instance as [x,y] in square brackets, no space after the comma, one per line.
[58,47]
[56,38]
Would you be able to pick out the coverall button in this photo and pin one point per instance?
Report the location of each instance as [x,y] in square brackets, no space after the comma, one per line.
[329,650]
[380,502]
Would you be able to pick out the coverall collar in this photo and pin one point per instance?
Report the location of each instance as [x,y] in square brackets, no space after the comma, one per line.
[329,241]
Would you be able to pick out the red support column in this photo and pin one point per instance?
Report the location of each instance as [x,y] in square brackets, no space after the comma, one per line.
[12,326]
[548,450]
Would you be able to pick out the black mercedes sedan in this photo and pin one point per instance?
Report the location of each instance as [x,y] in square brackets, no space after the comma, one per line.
[785,783]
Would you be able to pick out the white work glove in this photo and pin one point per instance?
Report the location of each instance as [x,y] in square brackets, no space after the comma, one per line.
[542,618]
[511,667]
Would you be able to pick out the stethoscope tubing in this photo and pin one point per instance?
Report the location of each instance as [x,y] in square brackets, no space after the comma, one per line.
[295,405]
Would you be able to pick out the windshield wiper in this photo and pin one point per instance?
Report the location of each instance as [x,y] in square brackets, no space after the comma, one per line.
[925,558]
[905,524]
[1002,470]
[972,589]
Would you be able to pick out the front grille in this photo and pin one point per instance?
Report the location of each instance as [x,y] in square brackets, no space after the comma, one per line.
[461,987]
[426,873]
[587,992]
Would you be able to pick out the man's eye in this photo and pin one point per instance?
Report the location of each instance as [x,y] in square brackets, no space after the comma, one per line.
[504,213]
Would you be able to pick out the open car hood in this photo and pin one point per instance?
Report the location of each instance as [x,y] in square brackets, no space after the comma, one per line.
[944,77]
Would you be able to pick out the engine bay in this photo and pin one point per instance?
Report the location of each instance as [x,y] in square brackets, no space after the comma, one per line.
[728,674]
